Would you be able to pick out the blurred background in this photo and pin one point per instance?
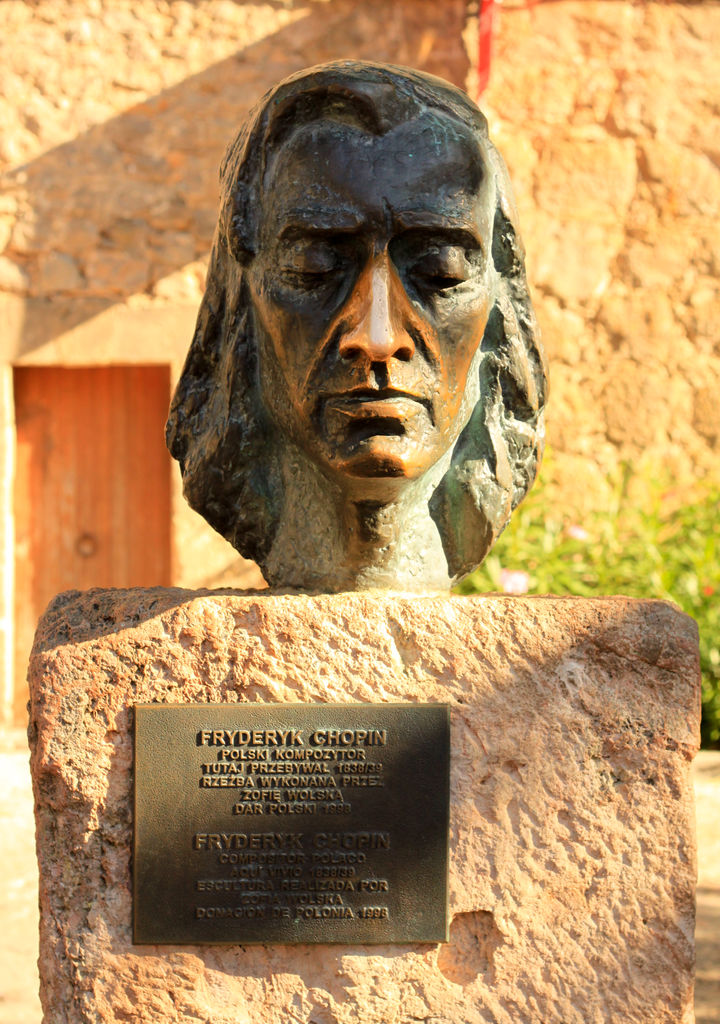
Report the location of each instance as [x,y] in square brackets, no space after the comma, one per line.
[114,115]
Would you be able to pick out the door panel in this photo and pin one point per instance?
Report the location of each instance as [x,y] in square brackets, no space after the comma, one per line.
[92,488]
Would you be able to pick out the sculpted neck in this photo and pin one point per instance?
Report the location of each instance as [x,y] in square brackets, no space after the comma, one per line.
[331,539]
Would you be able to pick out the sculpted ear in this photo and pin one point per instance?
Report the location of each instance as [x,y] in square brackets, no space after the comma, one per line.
[495,459]
[240,173]
[192,398]
[237,218]
[508,251]
[513,333]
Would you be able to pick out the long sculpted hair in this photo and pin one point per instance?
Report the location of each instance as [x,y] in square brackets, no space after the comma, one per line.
[218,429]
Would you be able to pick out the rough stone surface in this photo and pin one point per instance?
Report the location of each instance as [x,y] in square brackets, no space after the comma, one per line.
[572,856]
[601,111]
[115,117]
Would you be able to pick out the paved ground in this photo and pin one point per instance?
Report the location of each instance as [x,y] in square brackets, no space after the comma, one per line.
[19,1003]
[707,813]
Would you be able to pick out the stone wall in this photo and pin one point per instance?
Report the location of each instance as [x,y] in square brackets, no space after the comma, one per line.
[604,112]
[115,115]
[115,118]
[608,118]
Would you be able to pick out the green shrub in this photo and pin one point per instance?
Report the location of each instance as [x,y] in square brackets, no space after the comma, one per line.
[655,547]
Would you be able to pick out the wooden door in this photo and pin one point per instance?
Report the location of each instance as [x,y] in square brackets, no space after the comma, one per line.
[92,490]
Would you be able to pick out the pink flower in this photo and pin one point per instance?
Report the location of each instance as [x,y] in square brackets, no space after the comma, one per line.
[577,532]
[514,581]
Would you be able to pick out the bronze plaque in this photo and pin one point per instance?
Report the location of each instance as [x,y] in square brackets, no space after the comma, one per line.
[291,823]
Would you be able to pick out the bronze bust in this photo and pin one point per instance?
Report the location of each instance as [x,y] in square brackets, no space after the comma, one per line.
[362,403]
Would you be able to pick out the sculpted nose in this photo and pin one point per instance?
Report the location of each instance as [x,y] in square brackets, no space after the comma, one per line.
[379,331]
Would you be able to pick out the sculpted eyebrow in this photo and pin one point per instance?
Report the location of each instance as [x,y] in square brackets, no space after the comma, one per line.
[452,225]
[319,221]
[447,233]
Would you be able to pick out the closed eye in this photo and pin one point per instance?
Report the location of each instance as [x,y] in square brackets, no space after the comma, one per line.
[308,257]
[314,261]
[439,281]
[441,267]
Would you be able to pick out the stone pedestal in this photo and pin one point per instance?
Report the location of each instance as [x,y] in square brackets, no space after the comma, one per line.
[572,855]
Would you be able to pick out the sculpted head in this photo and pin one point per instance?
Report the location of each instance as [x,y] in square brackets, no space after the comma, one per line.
[362,401]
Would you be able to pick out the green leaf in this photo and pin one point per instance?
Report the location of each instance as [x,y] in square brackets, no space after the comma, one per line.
[656,548]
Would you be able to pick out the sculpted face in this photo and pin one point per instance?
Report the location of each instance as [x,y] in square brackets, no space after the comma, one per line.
[362,403]
[371,291]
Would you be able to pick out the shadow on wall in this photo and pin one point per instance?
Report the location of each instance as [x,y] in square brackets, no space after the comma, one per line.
[133,200]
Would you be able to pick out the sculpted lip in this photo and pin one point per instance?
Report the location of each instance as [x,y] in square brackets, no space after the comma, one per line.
[375,402]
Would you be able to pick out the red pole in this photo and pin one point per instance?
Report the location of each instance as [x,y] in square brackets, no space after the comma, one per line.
[485,25]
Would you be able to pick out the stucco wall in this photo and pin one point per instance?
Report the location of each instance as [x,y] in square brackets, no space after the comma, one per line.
[115,114]
[115,117]
[608,116]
